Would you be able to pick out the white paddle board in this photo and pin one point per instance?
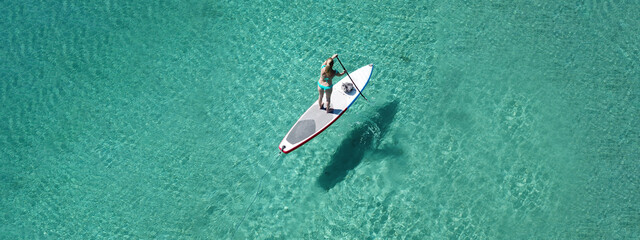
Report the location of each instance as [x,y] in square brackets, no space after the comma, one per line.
[316,120]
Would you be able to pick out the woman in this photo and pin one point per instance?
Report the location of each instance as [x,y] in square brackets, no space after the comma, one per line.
[325,83]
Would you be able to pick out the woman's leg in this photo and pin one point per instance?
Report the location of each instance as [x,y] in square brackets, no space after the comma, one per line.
[329,109]
[320,92]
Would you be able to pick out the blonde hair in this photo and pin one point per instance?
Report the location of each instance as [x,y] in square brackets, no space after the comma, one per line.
[329,62]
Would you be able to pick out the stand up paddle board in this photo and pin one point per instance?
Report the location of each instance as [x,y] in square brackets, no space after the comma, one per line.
[316,120]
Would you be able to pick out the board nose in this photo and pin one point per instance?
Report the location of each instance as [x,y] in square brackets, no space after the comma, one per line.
[283,148]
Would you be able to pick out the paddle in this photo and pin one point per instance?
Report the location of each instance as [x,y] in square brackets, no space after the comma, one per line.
[354,84]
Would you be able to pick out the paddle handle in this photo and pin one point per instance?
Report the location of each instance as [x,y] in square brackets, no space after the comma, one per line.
[354,84]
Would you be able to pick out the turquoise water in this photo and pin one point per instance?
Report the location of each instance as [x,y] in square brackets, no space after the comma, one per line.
[497,120]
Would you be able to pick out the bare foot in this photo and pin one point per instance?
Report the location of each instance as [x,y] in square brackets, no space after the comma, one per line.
[329,110]
[321,106]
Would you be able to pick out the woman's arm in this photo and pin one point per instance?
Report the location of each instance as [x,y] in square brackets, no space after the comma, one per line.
[337,73]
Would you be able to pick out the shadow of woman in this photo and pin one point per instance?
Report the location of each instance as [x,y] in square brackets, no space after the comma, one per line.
[351,151]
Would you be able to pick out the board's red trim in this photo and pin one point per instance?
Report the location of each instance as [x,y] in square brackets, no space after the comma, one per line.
[314,135]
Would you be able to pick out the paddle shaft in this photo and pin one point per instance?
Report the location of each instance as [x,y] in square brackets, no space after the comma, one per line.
[354,84]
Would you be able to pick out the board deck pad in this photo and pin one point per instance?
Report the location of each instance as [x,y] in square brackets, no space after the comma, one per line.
[316,120]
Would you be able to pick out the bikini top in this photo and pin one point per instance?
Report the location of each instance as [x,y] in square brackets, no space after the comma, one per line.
[327,79]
